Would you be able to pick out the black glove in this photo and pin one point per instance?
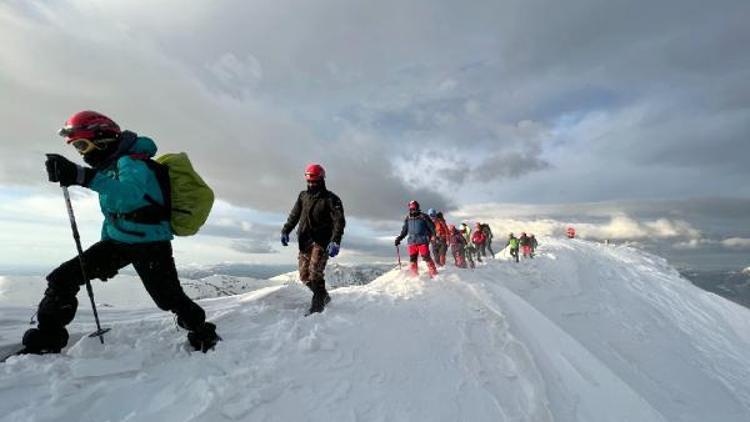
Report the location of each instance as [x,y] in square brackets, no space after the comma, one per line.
[67,173]
[398,241]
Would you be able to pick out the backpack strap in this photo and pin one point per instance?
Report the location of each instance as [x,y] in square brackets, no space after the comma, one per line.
[154,212]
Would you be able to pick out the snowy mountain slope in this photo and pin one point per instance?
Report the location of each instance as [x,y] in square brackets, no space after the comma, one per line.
[581,333]
[683,349]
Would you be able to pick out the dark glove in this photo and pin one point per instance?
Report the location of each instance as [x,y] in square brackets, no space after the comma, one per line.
[333,249]
[398,241]
[67,173]
[284,239]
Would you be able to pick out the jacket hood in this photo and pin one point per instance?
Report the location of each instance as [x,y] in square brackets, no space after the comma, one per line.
[143,145]
[130,143]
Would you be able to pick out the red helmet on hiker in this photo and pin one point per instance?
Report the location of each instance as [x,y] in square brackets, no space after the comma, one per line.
[88,130]
[89,125]
[315,173]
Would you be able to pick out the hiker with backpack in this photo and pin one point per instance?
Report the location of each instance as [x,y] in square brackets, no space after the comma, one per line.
[458,247]
[440,240]
[488,234]
[534,244]
[525,243]
[469,250]
[136,230]
[420,229]
[479,239]
[513,245]
[320,215]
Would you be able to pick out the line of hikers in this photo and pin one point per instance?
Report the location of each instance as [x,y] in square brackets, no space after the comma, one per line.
[425,230]
[146,201]
[431,230]
[526,243]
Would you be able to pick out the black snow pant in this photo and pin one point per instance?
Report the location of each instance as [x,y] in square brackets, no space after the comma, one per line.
[514,253]
[439,250]
[152,261]
[482,250]
[468,256]
[489,248]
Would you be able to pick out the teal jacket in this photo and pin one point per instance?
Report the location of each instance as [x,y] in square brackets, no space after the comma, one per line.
[122,187]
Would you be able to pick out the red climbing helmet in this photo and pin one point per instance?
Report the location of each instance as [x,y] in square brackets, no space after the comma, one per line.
[89,125]
[315,173]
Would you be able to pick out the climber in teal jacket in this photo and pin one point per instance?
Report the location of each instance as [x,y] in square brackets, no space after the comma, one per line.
[123,186]
[136,231]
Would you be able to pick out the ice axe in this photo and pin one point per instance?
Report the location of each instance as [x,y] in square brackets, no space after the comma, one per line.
[99,330]
[398,254]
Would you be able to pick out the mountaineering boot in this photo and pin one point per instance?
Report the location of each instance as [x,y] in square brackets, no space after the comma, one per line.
[320,298]
[38,341]
[431,269]
[204,338]
[414,269]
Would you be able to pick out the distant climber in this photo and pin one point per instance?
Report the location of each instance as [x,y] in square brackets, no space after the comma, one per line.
[512,244]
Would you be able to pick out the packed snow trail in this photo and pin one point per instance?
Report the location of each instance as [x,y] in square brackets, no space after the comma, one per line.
[581,333]
[397,349]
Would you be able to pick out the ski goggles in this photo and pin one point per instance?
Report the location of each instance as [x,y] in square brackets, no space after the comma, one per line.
[85,146]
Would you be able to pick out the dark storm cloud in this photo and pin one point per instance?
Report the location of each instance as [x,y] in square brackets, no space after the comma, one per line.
[374,247]
[581,100]
[239,229]
[251,238]
[508,165]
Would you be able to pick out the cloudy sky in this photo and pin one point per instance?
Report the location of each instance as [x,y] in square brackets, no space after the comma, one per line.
[630,119]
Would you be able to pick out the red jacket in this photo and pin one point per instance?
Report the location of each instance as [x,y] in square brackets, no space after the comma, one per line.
[478,237]
[441,229]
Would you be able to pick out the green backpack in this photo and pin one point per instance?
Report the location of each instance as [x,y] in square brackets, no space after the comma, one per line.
[191,198]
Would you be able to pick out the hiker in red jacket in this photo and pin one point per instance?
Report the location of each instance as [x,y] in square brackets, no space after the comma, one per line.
[479,239]
[458,247]
[525,243]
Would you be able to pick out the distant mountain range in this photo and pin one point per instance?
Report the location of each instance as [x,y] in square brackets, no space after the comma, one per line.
[340,275]
[733,285]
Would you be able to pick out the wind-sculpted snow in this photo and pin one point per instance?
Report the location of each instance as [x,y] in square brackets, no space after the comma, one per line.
[583,332]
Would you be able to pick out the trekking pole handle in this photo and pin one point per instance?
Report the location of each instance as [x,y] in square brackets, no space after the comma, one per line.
[73,225]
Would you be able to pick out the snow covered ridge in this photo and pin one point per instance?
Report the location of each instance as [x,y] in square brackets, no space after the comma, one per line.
[584,332]
[341,275]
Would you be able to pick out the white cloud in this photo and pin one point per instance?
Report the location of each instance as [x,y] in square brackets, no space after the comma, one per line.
[235,75]
[618,226]
[694,244]
[736,243]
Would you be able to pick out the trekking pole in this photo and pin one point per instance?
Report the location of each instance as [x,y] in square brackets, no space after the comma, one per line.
[99,330]
[398,254]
